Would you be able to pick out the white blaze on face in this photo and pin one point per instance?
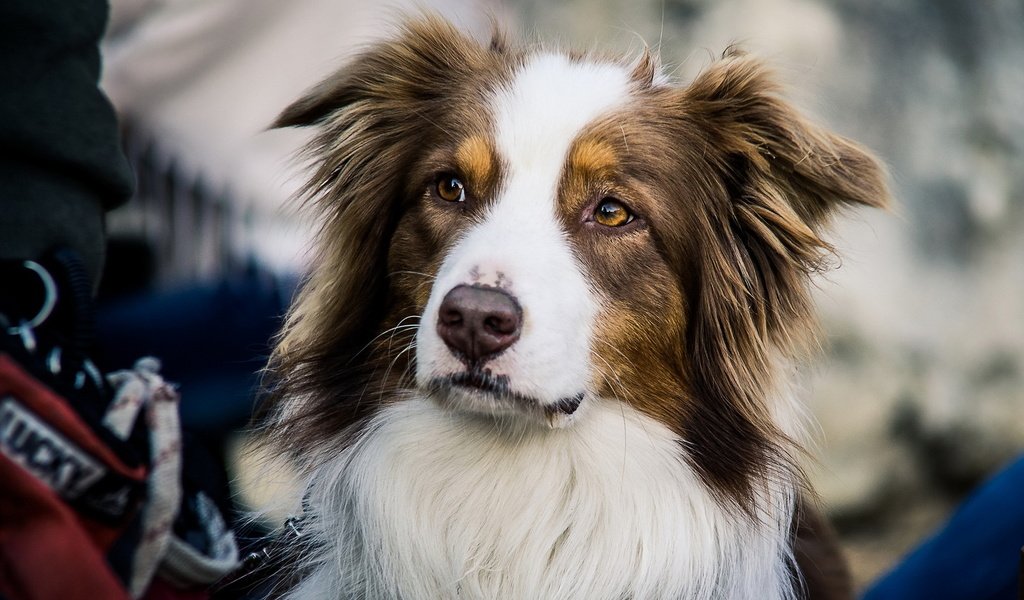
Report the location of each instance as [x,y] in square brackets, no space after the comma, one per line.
[520,245]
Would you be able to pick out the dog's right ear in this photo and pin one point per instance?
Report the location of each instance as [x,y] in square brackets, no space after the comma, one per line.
[317,103]
[417,66]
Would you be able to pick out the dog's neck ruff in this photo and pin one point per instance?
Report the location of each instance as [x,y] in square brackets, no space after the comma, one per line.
[429,504]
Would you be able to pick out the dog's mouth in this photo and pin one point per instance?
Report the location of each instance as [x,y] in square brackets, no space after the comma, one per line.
[498,395]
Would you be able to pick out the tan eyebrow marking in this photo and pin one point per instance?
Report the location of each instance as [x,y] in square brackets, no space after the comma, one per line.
[477,160]
[593,156]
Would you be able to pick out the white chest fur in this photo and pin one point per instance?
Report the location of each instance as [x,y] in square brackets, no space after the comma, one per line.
[430,505]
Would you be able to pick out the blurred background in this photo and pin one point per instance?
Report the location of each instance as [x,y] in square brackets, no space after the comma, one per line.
[919,388]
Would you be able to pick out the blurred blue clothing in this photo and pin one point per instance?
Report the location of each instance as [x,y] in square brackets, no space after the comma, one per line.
[975,556]
[212,340]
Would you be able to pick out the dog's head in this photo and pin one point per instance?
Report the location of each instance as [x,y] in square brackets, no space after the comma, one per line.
[517,233]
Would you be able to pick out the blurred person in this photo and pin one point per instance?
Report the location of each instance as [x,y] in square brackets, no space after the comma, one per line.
[61,164]
[96,501]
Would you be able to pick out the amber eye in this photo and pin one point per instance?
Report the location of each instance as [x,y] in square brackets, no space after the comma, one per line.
[612,213]
[450,188]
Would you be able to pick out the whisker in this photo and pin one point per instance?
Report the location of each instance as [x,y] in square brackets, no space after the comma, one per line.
[385,332]
[427,275]
[384,380]
[613,380]
[400,329]
[617,350]
[401,381]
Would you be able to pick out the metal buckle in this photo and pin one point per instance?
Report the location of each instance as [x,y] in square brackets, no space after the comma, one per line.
[24,328]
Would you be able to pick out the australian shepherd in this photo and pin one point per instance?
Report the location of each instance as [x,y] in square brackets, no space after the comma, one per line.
[543,350]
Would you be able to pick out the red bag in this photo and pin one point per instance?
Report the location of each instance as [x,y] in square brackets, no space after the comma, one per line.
[51,463]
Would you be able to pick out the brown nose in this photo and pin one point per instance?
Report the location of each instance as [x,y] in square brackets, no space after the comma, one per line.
[478,322]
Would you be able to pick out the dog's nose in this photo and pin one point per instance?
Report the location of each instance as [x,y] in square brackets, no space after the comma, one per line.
[479,322]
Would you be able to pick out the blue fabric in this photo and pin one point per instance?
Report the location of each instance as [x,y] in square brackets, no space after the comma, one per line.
[975,556]
[211,338]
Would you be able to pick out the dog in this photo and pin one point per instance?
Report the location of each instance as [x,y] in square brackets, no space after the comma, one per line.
[543,349]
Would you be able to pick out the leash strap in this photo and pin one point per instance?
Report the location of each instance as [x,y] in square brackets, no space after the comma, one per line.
[142,391]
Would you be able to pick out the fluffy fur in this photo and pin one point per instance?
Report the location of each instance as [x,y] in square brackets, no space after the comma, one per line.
[637,440]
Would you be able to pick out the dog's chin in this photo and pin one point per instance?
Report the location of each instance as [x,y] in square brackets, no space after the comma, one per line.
[483,394]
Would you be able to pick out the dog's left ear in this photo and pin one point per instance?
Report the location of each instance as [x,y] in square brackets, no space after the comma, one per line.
[776,179]
[783,177]
[771,144]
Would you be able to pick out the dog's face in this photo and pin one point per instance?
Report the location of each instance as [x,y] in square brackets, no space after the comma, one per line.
[538,237]
[518,234]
